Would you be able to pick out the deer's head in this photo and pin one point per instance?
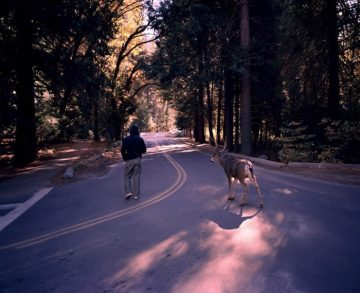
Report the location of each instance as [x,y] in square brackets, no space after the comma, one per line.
[219,154]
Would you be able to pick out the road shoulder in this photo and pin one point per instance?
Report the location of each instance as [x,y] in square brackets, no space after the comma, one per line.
[338,173]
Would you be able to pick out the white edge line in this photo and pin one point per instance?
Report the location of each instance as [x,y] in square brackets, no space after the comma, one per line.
[9,206]
[13,215]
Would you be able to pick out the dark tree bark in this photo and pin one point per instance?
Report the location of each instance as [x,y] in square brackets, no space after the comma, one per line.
[237,116]
[63,135]
[246,145]
[334,96]
[96,121]
[210,111]
[200,92]
[228,109]
[227,58]
[25,138]
[201,120]
[196,120]
[69,82]
[219,109]
[209,95]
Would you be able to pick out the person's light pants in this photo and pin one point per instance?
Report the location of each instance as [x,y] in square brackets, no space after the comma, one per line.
[132,173]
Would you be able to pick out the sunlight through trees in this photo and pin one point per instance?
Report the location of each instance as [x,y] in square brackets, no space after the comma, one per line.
[242,71]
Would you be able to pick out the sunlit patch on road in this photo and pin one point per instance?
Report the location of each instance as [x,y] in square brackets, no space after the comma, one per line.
[224,253]
[189,151]
[148,260]
[229,252]
[285,191]
[161,149]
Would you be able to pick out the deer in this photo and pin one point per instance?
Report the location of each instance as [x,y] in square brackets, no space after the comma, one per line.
[236,169]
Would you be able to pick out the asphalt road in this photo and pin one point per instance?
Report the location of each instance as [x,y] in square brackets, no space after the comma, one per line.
[183,235]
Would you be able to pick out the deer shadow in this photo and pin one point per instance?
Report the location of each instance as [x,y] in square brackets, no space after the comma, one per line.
[231,216]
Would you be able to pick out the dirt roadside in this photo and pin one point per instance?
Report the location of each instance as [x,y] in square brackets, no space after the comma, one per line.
[88,158]
[342,175]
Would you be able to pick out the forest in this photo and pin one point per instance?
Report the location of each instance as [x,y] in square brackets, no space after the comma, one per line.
[280,78]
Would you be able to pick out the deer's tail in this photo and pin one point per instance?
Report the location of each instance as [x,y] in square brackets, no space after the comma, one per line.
[251,169]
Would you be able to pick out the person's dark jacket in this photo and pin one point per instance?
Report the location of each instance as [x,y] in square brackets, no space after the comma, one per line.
[133,146]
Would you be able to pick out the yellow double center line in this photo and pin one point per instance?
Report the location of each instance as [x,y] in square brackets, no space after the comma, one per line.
[180,180]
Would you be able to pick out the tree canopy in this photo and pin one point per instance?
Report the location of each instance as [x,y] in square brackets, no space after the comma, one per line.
[257,68]
[280,77]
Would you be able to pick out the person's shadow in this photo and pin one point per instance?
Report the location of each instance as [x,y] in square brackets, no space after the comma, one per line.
[230,217]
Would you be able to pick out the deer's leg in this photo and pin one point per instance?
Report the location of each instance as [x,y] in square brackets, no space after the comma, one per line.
[253,180]
[231,188]
[259,193]
[246,190]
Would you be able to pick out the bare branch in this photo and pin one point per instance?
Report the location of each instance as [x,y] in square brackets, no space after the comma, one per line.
[122,55]
[138,45]
[143,86]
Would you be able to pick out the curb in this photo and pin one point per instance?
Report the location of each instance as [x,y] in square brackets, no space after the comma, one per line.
[291,165]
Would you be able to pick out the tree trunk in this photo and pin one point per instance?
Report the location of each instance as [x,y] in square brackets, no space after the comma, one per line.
[25,138]
[219,110]
[209,94]
[228,115]
[246,146]
[200,104]
[196,122]
[96,121]
[210,111]
[63,124]
[237,117]
[334,96]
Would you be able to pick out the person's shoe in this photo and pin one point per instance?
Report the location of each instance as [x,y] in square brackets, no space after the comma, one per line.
[137,197]
[128,195]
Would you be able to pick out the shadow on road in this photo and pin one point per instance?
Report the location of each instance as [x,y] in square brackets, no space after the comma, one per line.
[231,216]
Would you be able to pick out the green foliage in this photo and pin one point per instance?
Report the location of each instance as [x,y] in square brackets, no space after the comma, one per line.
[342,141]
[47,130]
[296,144]
[200,40]
[69,51]
[306,77]
[188,55]
[183,122]
[331,141]
[76,92]
[142,119]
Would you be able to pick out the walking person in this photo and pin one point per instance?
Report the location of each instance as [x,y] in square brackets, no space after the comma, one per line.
[133,146]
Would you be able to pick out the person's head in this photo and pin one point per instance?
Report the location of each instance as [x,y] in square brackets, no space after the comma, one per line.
[134,130]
